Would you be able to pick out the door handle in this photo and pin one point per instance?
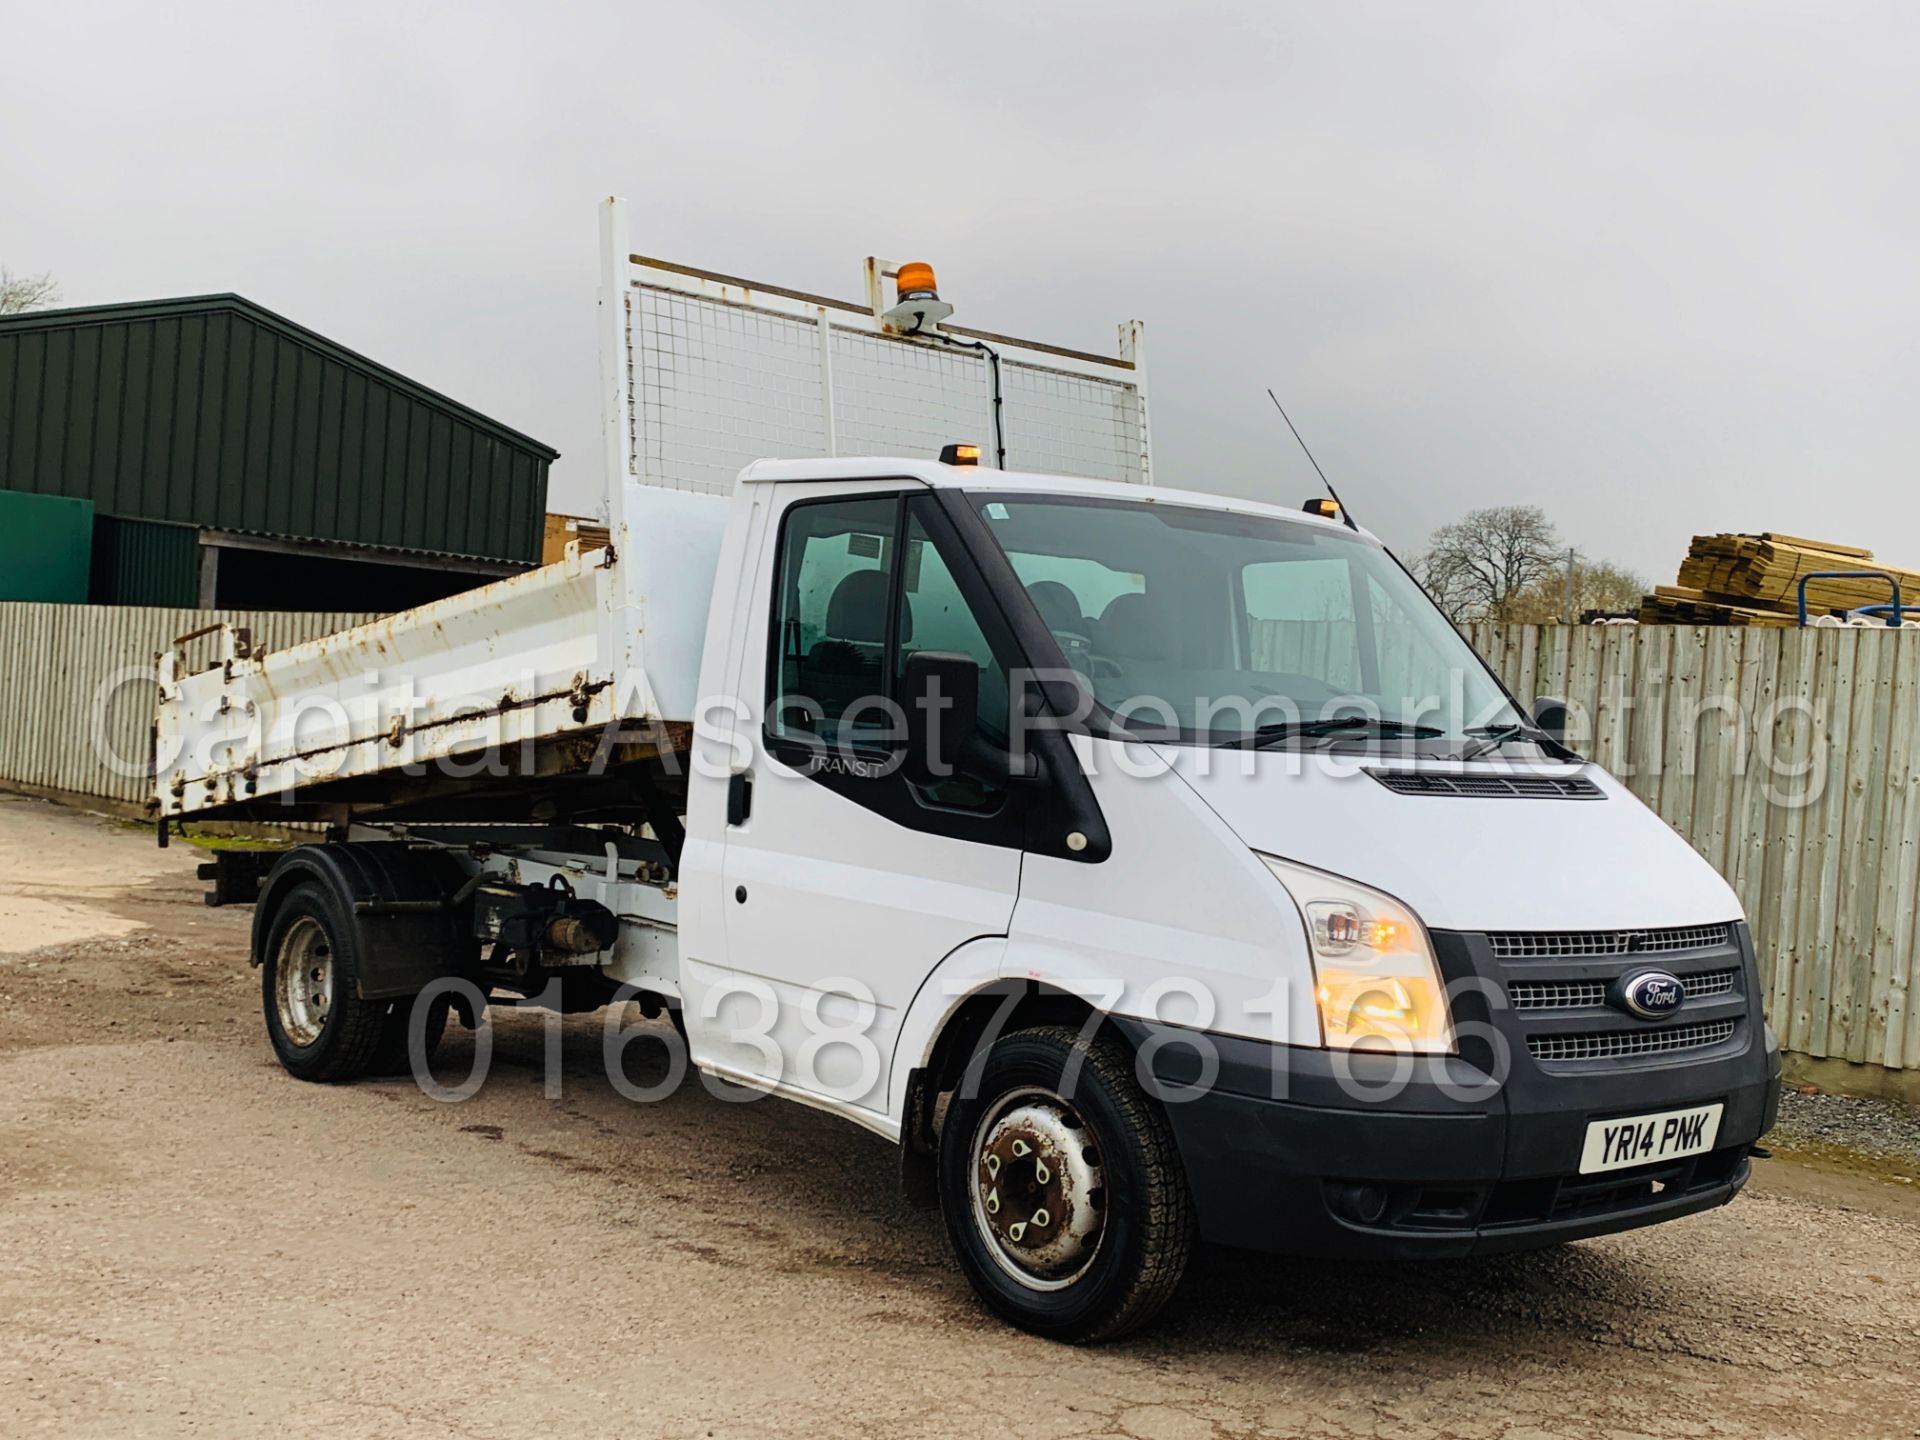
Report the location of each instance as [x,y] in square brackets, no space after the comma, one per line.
[739,797]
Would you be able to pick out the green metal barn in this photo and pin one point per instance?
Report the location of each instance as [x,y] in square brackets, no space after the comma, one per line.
[234,458]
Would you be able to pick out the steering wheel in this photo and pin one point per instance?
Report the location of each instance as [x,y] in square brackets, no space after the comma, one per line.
[1078,648]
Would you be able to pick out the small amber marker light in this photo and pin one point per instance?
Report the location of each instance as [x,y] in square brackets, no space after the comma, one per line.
[960,455]
[1323,507]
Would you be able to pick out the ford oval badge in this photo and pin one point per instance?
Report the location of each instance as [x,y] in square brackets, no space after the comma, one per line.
[1652,994]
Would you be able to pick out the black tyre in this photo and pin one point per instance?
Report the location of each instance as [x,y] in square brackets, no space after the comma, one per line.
[309,982]
[1063,1194]
[390,1056]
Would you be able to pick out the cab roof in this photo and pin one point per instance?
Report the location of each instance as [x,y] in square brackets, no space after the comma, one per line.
[981,478]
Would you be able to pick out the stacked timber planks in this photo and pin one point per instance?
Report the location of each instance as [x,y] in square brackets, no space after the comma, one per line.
[1681,605]
[1754,580]
[591,534]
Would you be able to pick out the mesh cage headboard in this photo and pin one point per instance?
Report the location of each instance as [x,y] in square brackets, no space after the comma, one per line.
[708,373]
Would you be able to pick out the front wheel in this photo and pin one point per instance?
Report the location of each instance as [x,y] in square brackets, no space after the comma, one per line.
[1062,1190]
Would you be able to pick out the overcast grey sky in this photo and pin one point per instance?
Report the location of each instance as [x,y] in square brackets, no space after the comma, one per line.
[1649,266]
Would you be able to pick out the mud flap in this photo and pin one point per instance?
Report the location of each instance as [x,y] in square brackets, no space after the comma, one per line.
[919,1149]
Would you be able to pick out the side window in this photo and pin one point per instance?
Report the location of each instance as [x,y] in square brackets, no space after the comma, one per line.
[1300,619]
[843,628]
[830,606]
[1301,591]
[934,615]
[1413,671]
[1073,593]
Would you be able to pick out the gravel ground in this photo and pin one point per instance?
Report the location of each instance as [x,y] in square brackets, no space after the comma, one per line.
[193,1244]
[1878,1129]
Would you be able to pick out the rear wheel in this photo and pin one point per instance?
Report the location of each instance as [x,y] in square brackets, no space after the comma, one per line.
[391,1056]
[1062,1189]
[309,989]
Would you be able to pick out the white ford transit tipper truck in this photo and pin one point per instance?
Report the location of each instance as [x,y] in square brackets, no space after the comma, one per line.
[1149,866]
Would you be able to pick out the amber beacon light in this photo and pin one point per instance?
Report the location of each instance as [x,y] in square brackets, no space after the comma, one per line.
[918,305]
[915,281]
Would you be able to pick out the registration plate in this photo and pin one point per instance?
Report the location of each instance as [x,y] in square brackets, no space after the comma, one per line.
[1648,1139]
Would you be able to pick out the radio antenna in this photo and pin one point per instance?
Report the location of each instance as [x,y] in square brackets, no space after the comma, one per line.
[1345,514]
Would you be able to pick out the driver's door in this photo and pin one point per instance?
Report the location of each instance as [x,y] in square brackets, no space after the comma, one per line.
[844,878]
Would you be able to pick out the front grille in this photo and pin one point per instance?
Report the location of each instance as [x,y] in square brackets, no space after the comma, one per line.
[1618,1044]
[1557,994]
[1709,983]
[1584,994]
[1573,944]
[1489,786]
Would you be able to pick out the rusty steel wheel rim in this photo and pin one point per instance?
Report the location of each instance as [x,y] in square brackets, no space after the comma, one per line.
[1039,1190]
[303,981]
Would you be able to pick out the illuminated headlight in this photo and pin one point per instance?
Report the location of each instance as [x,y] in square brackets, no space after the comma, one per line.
[1375,978]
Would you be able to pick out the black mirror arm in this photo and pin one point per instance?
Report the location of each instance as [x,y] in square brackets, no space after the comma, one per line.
[1548,719]
[993,766]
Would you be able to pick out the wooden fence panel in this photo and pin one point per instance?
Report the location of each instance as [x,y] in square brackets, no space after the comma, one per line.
[1790,759]
[1894,955]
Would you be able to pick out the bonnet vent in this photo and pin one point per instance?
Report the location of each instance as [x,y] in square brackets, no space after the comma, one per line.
[1489,786]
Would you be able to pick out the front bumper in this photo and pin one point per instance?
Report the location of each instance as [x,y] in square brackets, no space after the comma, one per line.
[1283,1151]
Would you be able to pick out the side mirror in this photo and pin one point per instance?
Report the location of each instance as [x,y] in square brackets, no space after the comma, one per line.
[941,697]
[1550,715]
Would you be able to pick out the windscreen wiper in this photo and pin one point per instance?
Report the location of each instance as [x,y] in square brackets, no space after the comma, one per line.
[1494,736]
[1265,735]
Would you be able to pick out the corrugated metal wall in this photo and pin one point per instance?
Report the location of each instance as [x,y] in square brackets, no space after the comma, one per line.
[217,413]
[78,685]
[144,562]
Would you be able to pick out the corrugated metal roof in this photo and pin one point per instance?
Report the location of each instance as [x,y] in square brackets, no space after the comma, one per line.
[215,412]
[129,310]
[398,552]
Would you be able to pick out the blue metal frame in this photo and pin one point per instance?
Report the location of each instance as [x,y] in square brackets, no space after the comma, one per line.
[1893,611]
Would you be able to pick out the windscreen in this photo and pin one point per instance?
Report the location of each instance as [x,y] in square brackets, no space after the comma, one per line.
[1205,625]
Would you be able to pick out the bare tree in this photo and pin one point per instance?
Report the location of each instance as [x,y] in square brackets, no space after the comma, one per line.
[1597,585]
[1445,581]
[19,293]
[1476,567]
